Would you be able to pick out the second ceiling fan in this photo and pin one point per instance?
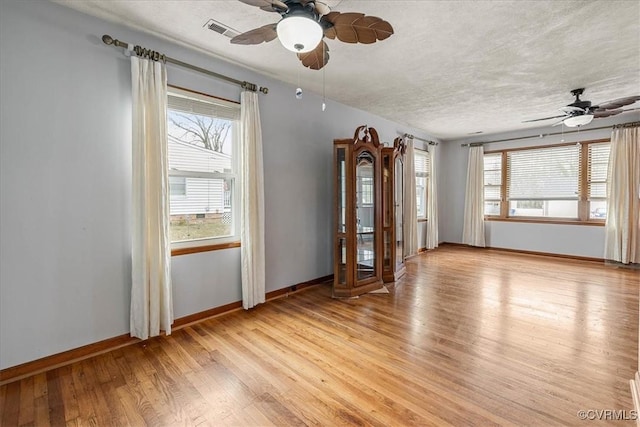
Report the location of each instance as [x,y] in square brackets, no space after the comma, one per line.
[305,23]
[580,112]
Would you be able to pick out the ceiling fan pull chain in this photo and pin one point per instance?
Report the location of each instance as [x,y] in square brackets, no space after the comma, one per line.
[324,104]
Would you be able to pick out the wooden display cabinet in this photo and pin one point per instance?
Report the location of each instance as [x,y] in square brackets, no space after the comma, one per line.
[392,211]
[358,214]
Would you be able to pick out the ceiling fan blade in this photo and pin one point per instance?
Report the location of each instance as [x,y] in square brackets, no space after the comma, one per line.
[317,58]
[559,122]
[357,28]
[544,118]
[617,103]
[606,113]
[322,8]
[267,5]
[259,35]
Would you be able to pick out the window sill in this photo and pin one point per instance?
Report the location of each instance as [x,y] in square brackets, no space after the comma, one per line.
[547,221]
[205,248]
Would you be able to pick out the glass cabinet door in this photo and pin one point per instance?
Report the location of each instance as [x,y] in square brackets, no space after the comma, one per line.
[341,220]
[387,213]
[365,216]
[342,190]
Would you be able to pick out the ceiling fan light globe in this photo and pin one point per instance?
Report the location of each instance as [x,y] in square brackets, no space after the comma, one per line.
[581,120]
[299,34]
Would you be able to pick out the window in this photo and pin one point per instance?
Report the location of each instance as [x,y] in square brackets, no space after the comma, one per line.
[492,183]
[565,182]
[597,180]
[177,186]
[365,189]
[421,161]
[203,168]
[543,182]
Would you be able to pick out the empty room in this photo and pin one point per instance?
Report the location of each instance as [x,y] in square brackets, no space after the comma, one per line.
[336,212]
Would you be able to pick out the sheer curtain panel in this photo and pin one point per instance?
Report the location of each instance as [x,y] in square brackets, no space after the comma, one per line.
[410,202]
[252,218]
[151,298]
[473,228]
[432,201]
[622,229]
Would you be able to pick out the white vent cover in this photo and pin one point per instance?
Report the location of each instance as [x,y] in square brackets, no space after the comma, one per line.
[221,28]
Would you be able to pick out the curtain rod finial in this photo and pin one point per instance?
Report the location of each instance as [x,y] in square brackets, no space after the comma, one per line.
[107,39]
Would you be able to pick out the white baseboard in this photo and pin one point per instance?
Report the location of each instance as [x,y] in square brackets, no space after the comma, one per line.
[635,394]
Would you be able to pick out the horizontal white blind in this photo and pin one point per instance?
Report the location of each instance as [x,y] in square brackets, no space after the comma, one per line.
[421,162]
[192,103]
[598,163]
[492,176]
[543,173]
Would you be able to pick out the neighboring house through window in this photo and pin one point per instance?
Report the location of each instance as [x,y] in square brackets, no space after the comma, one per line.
[203,168]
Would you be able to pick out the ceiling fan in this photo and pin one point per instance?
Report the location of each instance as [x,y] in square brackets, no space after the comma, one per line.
[580,112]
[305,23]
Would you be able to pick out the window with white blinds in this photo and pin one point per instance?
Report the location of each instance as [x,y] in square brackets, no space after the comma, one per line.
[543,182]
[421,162]
[567,182]
[203,168]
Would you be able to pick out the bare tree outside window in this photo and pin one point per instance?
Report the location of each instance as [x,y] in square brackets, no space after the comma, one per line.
[208,132]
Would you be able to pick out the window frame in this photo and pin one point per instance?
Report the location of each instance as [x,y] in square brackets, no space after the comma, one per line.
[584,212]
[235,177]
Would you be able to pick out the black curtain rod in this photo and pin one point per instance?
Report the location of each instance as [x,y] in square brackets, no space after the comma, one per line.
[542,135]
[108,40]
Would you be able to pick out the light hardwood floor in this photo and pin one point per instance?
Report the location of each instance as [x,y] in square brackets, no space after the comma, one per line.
[467,337]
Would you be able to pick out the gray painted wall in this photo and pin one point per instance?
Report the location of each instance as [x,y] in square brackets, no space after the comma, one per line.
[65,182]
[577,240]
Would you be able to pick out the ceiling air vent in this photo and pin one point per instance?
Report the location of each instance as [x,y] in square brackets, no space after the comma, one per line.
[220,28]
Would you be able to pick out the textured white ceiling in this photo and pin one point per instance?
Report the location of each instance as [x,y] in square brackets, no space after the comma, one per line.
[452,68]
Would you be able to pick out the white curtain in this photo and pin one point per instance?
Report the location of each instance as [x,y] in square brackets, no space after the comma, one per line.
[473,228]
[432,201]
[622,230]
[410,202]
[252,218]
[151,294]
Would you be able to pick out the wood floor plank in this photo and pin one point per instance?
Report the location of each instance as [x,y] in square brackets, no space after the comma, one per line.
[40,400]
[11,404]
[71,407]
[27,415]
[466,337]
[55,398]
